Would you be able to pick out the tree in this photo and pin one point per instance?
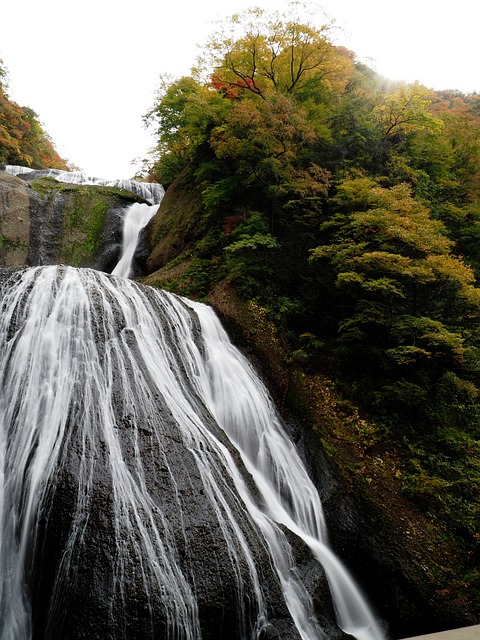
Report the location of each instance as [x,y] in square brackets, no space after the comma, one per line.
[406,110]
[407,310]
[182,117]
[3,75]
[275,52]
[409,145]
[22,137]
[263,138]
[460,116]
[340,204]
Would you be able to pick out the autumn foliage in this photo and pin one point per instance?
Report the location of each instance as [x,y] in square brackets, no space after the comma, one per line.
[348,208]
[23,140]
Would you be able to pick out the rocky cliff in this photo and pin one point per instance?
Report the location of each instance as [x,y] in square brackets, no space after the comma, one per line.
[43,221]
[14,221]
[131,513]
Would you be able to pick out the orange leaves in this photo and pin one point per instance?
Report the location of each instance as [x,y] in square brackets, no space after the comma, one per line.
[22,138]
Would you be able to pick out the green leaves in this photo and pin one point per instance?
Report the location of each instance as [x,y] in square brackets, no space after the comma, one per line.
[254,242]
[406,111]
[248,256]
[407,307]
[347,209]
[219,195]
[423,337]
[183,116]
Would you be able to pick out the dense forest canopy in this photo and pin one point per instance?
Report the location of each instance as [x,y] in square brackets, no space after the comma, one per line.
[23,140]
[347,207]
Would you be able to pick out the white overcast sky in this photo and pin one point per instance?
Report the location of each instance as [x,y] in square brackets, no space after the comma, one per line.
[90,69]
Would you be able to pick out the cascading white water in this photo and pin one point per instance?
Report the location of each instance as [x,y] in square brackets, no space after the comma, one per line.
[137,216]
[150,191]
[236,398]
[52,365]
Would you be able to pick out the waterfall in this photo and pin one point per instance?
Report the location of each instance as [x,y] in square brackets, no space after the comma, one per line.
[149,191]
[137,216]
[140,450]
[101,378]
[236,398]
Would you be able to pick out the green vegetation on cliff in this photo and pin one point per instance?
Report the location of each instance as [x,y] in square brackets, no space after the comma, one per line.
[347,208]
[79,215]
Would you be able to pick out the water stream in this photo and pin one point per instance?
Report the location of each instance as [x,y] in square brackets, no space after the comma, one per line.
[152,192]
[236,398]
[76,342]
[137,216]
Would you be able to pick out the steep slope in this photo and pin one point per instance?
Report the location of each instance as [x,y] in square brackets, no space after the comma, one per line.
[411,566]
[14,221]
[48,222]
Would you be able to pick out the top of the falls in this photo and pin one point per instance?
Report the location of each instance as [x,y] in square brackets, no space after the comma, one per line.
[152,192]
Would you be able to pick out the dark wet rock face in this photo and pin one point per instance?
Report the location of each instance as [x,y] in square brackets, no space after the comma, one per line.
[139,528]
[43,221]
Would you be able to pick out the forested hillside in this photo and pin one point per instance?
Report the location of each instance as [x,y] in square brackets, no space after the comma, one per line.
[23,140]
[337,214]
[343,208]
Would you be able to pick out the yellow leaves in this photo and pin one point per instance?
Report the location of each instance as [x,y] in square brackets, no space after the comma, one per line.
[383,261]
[449,267]
[323,251]
[11,145]
[391,218]
[461,118]
[312,182]
[389,254]
[355,193]
[406,111]
[269,50]
[407,354]
[412,232]
[383,272]
[347,277]
[270,131]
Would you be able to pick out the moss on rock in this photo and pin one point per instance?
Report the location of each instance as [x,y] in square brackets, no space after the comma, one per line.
[76,222]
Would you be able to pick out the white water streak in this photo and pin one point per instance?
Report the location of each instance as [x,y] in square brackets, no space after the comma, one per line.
[152,192]
[52,366]
[237,399]
[137,216]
